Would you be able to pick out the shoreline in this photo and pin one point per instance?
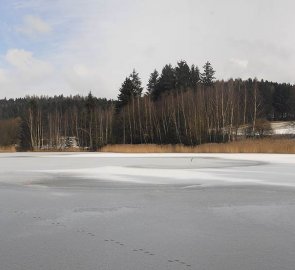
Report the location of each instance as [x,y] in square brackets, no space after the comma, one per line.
[267,146]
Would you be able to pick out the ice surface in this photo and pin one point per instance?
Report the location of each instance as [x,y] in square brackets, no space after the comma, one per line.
[147,211]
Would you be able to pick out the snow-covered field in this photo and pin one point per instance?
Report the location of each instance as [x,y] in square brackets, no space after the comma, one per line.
[147,211]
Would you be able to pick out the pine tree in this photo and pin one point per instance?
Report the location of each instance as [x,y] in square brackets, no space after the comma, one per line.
[194,76]
[137,88]
[126,92]
[153,82]
[90,103]
[207,77]
[130,88]
[167,81]
[182,74]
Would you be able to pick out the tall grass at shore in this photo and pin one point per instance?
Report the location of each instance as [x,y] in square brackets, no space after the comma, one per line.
[269,145]
[279,146]
[7,149]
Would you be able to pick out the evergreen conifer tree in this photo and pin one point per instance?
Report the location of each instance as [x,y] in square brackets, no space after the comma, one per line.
[126,92]
[153,82]
[182,74]
[167,81]
[137,88]
[194,76]
[130,88]
[207,77]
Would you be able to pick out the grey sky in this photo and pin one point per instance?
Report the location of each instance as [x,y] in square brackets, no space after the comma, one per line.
[73,46]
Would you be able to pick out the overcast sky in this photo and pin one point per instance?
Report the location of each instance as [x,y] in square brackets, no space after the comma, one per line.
[74,46]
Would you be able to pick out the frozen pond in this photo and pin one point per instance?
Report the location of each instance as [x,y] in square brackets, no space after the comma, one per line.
[93,211]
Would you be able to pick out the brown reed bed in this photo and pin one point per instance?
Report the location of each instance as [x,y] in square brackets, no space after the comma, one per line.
[278,146]
[267,145]
[7,149]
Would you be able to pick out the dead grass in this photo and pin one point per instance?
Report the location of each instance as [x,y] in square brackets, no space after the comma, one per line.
[73,149]
[12,149]
[279,146]
[7,149]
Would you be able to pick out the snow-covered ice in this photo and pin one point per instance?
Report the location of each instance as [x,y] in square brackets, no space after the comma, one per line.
[147,211]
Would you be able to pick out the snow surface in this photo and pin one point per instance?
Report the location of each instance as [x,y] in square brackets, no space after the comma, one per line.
[283,128]
[147,211]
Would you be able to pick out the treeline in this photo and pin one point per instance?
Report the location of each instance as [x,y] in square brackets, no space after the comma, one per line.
[46,121]
[10,131]
[180,105]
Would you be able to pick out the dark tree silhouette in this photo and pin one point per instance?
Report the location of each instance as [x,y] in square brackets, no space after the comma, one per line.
[194,76]
[182,75]
[153,82]
[207,77]
[167,81]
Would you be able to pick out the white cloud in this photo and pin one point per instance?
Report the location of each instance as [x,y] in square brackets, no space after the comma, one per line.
[3,76]
[97,43]
[34,25]
[83,77]
[239,62]
[26,65]
[24,73]
[83,71]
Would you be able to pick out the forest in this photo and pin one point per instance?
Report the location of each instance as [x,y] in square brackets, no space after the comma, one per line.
[179,105]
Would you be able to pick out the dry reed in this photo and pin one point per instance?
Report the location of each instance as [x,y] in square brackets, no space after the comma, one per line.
[279,146]
[7,149]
